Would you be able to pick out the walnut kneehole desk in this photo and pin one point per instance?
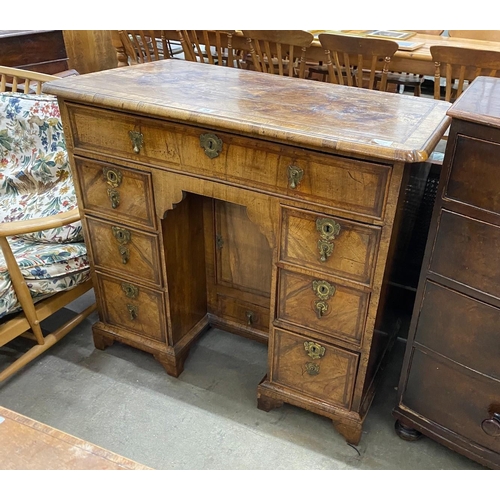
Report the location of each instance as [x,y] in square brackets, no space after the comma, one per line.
[260,204]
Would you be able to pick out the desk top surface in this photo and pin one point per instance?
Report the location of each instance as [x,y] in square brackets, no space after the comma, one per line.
[293,111]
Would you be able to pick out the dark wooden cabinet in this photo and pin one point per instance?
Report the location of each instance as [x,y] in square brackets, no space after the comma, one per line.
[450,383]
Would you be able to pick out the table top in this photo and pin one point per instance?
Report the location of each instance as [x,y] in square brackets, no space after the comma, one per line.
[293,111]
[26,444]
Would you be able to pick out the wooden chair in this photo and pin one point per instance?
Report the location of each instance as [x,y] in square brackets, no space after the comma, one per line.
[141,46]
[459,66]
[211,47]
[43,260]
[355,61]
[491,35]
[281,52]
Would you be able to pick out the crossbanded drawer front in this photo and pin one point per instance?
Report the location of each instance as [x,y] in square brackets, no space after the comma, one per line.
[347,184]
[469,330]
[315,369]
[244,313]
[118,248]
[135,308]
[467,250]
[116,192]
[455,397]
[324,306]
[329,244]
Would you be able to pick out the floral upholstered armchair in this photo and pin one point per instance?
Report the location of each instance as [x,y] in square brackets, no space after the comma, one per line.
[43,258]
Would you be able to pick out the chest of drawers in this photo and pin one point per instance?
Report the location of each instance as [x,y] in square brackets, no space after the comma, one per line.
[262,205]
[450,384]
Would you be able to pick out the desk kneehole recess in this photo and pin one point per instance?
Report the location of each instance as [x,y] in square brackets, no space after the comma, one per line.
[208,203]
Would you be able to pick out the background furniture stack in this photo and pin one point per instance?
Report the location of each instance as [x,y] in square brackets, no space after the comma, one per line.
[450,382]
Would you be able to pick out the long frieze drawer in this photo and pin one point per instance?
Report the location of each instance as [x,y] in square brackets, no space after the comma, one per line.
[467,400]
[469,330]
[351,185]
[329,244]
[467,250]
[129,252]
[135,308]
[323,306]
[315,369]
[474,176]
[244,313]
[116,191]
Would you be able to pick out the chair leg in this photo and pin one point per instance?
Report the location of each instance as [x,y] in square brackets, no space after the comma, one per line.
[50,340]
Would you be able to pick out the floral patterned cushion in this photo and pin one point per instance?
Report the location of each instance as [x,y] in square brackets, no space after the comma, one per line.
[36,181]
[35,176]
[47,268]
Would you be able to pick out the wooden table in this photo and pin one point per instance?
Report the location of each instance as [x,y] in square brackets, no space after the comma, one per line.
[207,201]
[26,444]
[418,61]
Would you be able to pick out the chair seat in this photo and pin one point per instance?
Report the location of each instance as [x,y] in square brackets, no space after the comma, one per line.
[47,268]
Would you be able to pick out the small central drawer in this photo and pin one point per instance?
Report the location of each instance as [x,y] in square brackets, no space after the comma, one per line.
[316,369]
[116,192]
[135,308]
[329,244]
[348,184]
[115,247]
[324,306]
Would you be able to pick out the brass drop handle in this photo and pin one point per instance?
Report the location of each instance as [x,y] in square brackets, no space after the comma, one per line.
[124,253]
[312,368]
[137,140]
[328,229]
[211,144]
[114,198]
[295,175]
[123,237]
[491,426]
[321,308]
[133,311]
[249,315]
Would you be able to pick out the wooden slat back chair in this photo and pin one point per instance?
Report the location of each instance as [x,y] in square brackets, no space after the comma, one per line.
[459,66]
[281,52]
[210,47]
[355,61]
[18,80]
[491,35]
[27,243]
[141,46]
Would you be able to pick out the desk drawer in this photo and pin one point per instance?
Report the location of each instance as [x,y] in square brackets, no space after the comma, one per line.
[347,184]
[316,369]
[460,328]
[131,253]
[454,397]
[135,308]
[329,244]
[117,192]
[244,313]
[323,306]
[467,250]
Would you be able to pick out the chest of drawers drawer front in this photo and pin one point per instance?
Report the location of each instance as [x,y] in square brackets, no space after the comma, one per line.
[466,399]
[322,306]
[243,312]
[468,251]
[469,330]
[329,244]
[126,251]
[475,173]
[116,192]
[135,308]
[348,184]
[316,369]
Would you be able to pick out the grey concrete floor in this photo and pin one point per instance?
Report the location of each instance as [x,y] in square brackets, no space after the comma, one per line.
[122,399]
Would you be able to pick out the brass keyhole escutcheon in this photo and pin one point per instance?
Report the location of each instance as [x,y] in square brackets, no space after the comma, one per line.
[314,350]
[130,290]
[137,140]
[323,289]
[211,144]
[312,368]
[328,229]
[113,176]
[295,175]
[123,237]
